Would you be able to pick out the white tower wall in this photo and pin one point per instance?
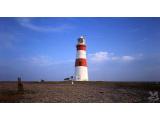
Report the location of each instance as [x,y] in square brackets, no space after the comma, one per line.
[81,54]
[81,73]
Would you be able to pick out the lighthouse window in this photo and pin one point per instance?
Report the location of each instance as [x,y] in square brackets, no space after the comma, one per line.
[80,40]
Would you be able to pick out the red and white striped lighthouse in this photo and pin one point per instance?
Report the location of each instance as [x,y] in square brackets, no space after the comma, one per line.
[81,70]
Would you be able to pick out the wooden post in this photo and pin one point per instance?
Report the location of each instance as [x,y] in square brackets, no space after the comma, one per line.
[20,84]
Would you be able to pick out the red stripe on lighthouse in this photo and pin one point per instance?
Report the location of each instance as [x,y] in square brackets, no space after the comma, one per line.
[81,47]
[81,62]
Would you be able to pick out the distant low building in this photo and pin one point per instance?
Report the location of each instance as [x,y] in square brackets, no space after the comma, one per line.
[69,78]
[42,81]
[66,79]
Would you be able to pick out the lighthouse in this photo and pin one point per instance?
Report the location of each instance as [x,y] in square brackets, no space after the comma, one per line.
[81,69]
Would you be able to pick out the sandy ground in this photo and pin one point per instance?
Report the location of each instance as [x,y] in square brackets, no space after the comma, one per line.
[80,92]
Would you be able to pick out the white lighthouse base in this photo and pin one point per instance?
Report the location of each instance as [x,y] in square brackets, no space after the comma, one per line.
[81,73]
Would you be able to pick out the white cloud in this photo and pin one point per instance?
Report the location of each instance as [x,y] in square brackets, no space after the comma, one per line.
[99,56]
[103,56]
[28,23]
[127,58]
[42,60]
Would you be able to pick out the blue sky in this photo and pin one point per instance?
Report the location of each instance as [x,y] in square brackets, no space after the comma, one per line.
[118,49]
